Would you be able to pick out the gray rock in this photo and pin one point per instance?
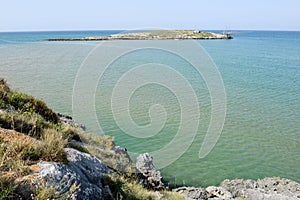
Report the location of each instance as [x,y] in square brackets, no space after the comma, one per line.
[218,193]
[192,193]
[268,188]
[150,177]
[83,170]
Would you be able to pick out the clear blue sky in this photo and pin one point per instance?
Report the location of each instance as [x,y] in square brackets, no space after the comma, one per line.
[16,15]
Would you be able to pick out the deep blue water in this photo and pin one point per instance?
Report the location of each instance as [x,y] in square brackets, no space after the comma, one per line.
[261,75]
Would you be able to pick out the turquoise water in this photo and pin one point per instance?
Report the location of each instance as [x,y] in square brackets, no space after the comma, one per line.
[261,74]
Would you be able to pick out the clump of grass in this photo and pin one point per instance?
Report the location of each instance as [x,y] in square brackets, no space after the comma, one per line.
[3,104]
[52,148]
[70,132]
[21,149]
[103,147]
[6,188]
[128,188]
[50,192]
[18,152]
[30,124]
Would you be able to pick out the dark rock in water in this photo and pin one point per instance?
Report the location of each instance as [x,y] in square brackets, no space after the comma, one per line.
[150,177]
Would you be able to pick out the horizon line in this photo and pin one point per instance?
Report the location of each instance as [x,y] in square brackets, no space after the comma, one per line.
[62,30]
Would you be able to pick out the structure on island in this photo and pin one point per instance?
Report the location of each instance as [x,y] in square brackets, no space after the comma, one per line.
[228,34]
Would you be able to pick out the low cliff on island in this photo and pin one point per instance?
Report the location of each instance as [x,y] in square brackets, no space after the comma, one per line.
[47,155]
[155,35]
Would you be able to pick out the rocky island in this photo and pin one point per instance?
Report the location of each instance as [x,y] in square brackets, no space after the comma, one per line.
[155,35]
[47,155]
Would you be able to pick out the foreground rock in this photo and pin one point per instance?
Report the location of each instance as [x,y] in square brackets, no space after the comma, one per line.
[80,179]
[150,177]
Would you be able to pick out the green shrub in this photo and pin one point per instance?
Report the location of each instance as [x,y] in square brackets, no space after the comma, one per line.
[6,188]
[2,104]
[31,155]
[70,132]
[27,103]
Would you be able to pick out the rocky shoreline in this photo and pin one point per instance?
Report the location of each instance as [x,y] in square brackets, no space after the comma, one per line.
[270,188]
[155,35]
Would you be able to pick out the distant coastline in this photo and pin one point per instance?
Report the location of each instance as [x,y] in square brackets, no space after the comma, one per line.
[155,35]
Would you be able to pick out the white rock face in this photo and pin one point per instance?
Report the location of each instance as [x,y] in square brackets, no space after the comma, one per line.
[151,178]
[84,170]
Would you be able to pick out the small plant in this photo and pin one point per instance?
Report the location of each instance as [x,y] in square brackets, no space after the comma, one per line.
[103,147]
[31,154]
[6,188]
[53,146]
[70,132]
[2,104]
[128,188]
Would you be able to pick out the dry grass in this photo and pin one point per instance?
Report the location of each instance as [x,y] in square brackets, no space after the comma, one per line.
[50,192]
[103,147]
[17,147]
[18,152]
[52,148]
[128,188]
[30,124]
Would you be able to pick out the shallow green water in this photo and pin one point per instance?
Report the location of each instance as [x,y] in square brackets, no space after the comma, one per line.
[261,74]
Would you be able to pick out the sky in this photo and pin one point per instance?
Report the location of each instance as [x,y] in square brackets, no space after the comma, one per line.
[37,15]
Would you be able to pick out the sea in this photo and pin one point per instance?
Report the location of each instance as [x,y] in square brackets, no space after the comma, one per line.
[260,76]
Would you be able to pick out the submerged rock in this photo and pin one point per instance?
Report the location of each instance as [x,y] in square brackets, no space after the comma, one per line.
[150,177]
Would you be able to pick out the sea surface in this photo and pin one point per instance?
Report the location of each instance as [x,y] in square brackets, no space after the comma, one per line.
[261,75]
